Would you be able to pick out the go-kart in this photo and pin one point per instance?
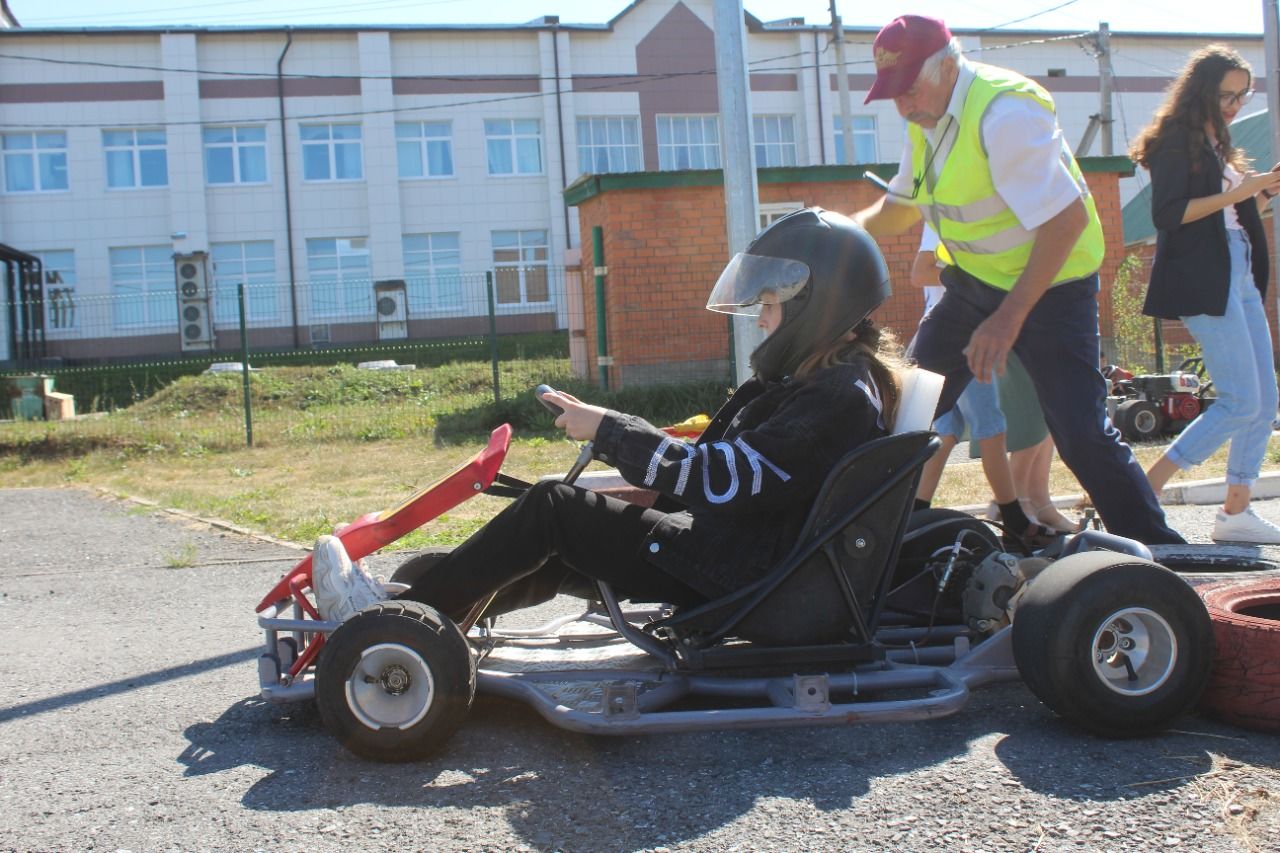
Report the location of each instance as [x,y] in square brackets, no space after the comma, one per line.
[877,614]
[1149,406]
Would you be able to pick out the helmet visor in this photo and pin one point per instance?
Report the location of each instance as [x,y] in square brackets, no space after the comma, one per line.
[747,278]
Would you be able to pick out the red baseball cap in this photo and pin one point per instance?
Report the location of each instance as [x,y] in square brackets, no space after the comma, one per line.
[900,49]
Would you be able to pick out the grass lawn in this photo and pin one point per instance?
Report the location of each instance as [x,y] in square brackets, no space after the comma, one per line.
[334,445]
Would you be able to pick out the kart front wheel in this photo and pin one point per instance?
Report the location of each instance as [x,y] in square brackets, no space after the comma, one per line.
[1117,645]
[395,681]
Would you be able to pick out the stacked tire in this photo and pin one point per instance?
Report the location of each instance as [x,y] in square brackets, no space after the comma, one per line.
[1244,685]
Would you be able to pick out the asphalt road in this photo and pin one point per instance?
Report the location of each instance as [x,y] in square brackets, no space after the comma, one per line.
[129,720]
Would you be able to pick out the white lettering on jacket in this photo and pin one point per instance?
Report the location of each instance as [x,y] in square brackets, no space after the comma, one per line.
[726,450]
[754,459]
[873,394]
[660,455]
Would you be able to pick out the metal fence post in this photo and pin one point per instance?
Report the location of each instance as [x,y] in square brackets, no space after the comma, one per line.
[1159,341]
[603,360]
[244,368]
[493,333]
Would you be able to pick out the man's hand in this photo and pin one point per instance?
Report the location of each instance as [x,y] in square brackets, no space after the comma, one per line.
[990,343]
[580,420]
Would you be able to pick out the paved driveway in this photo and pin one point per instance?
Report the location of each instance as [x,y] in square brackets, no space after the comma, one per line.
[129,721]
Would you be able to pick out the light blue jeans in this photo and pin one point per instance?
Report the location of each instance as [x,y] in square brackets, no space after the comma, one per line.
[1237,354]
[979,408]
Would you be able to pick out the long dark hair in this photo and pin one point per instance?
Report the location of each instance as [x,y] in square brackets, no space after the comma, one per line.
[1190,103]
[877,348]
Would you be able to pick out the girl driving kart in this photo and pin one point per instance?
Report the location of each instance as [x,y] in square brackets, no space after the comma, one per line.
[731,505]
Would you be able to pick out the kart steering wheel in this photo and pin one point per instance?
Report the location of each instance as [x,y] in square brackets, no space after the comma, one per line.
[585,455]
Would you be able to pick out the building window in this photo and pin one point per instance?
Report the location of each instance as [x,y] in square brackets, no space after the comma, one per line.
[143,287]
[251,264]
[235,155]
[520,267]
[331,152]
[772,212]
[775,140]
[433,271]
[864,140]
[514,146]
[59,289]
[688,142]
[424,149]
[136,158]
[609,144]
[35,162]
[340,280]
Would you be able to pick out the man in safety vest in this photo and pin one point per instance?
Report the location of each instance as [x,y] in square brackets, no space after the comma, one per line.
[986,165]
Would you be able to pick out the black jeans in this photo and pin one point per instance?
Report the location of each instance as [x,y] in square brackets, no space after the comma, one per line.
[555,538]
[1059,347]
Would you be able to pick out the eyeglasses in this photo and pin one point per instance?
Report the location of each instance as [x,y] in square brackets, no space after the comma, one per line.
[1230,99]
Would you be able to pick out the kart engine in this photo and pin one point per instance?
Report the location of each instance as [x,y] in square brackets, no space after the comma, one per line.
[993,590]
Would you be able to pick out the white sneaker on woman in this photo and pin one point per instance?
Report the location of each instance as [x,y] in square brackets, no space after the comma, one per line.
[342,589]
[1245,527]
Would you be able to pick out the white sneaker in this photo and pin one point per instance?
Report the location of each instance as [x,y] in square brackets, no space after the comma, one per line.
[342,590]
[1245,527]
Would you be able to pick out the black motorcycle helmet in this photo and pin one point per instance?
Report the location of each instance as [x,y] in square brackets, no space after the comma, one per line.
[827,273]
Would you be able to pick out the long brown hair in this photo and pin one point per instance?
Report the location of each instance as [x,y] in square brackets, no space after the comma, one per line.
[877,348]
[1191,103]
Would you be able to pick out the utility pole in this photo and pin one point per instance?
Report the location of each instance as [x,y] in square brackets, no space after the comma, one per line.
[842,86]
[741,195]
[1106,85]
[1106,80]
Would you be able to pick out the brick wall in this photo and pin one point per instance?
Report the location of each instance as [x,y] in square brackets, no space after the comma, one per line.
[664,245]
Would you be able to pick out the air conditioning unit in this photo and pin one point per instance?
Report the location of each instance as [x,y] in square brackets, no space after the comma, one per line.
[195,320]
[391,304]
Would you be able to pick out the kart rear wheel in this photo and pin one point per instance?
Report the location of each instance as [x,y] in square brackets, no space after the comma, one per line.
[1139,420]
[395,681]
[1117,645]
[914,589]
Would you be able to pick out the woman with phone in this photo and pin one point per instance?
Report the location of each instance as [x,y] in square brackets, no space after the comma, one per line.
[1210,271]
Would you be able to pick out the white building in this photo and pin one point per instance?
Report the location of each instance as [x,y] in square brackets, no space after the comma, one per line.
[324,166]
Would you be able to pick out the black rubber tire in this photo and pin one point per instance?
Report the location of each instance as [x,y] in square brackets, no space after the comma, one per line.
[410,570]
[1244,689]
[927,531]
[402,638]
[1072,609]
[1139,420]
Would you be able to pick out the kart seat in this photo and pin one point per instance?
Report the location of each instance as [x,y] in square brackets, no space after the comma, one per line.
[830,588]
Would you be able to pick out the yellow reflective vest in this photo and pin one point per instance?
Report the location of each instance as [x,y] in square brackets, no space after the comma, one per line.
[978,230]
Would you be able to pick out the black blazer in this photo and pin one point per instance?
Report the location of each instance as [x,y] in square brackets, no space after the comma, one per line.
[1191,273]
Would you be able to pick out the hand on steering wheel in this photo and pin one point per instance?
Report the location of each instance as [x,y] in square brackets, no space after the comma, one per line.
[579,420]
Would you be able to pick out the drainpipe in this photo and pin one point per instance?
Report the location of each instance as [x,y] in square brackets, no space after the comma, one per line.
[288,199]
[564,176]
[817,76]
[603,359]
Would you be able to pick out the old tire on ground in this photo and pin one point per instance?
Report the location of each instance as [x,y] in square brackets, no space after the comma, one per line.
[913,590]
[412,569]
[1139,420]
[1117,645]
[1244,687]
[395,681]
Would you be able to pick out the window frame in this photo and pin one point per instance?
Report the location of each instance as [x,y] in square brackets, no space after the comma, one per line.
[588,147]
[136,151]
[354,293]
[45,267]
[710,151]
[423,145]
[34,155]
[760,125]
[420,284]
[237,147]
[158,291]
[330,144]
[872,134]
[261,306]
[512,140]
[522,266]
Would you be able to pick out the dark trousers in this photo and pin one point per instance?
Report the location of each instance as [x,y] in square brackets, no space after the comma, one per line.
[554,538]
[1059,347]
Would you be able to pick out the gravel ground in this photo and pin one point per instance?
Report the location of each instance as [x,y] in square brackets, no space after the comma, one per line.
[130,721]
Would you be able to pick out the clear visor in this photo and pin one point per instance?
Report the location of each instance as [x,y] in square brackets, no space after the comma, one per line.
[747,278]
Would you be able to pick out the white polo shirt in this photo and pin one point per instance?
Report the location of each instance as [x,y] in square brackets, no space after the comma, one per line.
[1024,149]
